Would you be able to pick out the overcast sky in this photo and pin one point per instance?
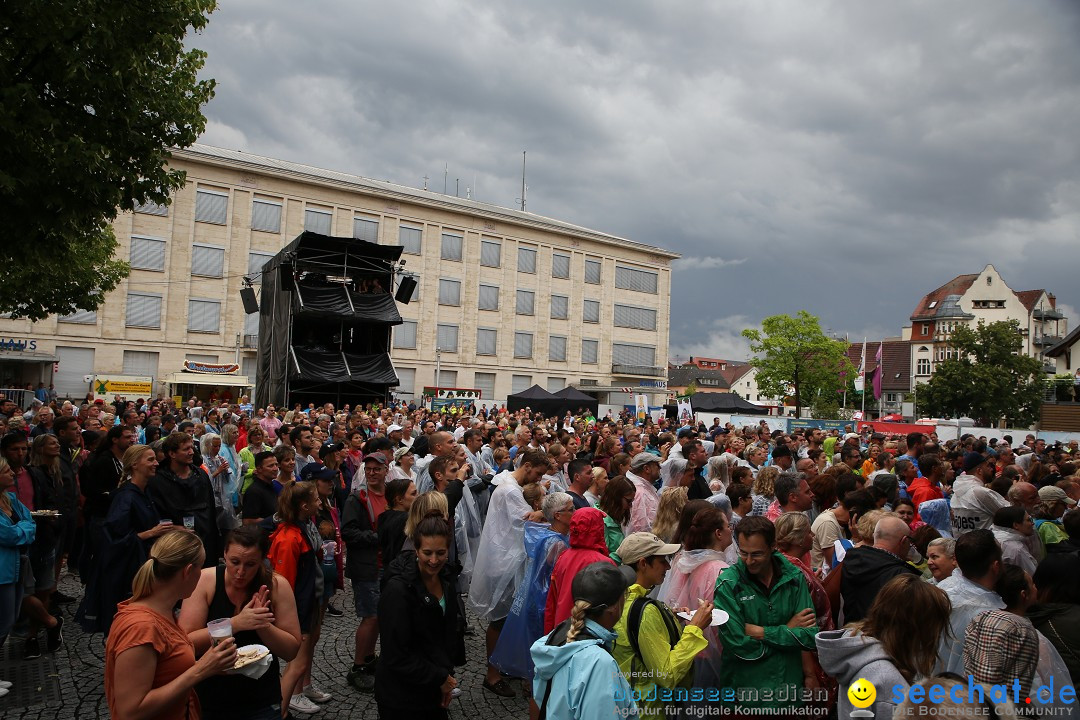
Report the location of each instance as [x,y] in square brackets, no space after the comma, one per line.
[839,157]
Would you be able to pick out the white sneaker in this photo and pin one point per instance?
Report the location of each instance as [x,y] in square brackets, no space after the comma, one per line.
[301,704]
[455,692]
[314,693]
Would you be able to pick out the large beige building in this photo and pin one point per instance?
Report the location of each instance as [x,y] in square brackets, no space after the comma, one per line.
[506,299]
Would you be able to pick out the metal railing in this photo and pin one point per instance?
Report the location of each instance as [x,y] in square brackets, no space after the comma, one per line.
[250,342]
[1061,390]
[644,370]
[1052,314]
[22,398]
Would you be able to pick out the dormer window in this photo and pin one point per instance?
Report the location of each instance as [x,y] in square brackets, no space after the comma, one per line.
[989,280]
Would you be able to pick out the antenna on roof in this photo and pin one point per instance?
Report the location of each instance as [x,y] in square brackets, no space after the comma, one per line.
[445,174]
[425,182]
[523,185]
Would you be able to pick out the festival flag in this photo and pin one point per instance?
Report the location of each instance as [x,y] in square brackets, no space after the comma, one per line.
[877,373]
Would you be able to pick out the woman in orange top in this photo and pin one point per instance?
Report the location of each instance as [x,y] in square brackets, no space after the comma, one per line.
[148,650]
[295,550]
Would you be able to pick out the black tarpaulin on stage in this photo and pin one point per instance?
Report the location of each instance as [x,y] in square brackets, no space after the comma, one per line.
[575,400]
[334,301]
[719,402]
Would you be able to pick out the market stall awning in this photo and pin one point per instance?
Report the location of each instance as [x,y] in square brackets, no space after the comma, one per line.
[184,378]
[19,356]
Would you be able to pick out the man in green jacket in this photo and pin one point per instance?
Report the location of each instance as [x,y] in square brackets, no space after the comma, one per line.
[771,626]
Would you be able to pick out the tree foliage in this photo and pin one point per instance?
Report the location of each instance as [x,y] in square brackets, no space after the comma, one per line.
[989,379]
[92,96]
[794,357]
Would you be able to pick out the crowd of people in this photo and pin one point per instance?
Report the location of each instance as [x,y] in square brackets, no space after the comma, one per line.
[620,567]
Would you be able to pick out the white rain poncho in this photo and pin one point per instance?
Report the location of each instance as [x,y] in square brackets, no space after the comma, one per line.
[500,559]
[467,530]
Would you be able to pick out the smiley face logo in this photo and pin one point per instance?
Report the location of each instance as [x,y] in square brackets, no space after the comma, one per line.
[862,693]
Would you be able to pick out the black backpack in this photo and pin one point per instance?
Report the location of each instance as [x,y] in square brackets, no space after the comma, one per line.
[633,623]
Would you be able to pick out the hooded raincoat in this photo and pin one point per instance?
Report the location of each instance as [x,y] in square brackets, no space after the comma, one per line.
[691,579]
[499,565]
[526,620]
[586,547]
[583,679]
[771,667]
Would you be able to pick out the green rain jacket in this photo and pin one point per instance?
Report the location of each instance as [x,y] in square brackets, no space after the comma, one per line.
[773,667]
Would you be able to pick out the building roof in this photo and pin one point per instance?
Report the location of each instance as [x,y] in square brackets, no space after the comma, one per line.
[945,299]
[387,189]
[1029,298]
[895,362]
[683,375]
[1066,342]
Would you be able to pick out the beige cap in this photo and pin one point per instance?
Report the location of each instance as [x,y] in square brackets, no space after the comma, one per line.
[642,545]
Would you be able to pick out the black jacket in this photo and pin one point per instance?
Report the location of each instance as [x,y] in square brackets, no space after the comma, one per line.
[391,534]
[866,570]
[361,539]
[98,480]
[420,642]
[177,497]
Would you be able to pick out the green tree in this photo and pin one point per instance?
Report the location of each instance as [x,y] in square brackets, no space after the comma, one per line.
[92,96]
[794,357]
[988,380]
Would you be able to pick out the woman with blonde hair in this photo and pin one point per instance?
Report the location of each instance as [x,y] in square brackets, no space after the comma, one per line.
[896,643]
[150,666]
[430,504]
[672,501]
[764,489]
[596,489]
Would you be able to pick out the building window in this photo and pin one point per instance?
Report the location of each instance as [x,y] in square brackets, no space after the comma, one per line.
[265,215]
[555,384]
[560,265]
[628,278]
[520,383]
[560,307]
[449,292]
[591,311]
[405,335]
[251,328]
[143,310]
[639,355]
[557,349]
[925,329]
[490,253]
[447,379]
[523,343]
[366,229]
[485,383]
[590,351]
[211,207]
[207,260]
[204,316]
[451,247]
[152,208]
[256,260]
[139,362]
[80,317]
[526,299]
[923,366]
[526,260]
[410,239]
[989,280]
[446,338]
[628,316]
[592,271]
[318,221]
[147,253]
[406,381]
[488,297]
[487,341]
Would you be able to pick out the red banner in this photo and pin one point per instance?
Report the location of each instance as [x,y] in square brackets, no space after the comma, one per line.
[895,428]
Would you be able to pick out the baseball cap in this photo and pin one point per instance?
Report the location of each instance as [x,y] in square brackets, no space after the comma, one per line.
[328,448]
[376,457]
[973,460]
[642,545]
[1052,494]
[402,452]
[642,459]
[687,433]
[317,471]
[394,428]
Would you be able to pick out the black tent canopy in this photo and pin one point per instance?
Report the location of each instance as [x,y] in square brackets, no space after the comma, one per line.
[325,315]
[719,402]
[575,400]
[557,404]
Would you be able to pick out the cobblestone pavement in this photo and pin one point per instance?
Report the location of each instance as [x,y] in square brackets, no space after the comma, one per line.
[70,683]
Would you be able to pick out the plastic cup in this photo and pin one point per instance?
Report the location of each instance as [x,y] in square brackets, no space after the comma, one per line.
[189,522]
[219,630]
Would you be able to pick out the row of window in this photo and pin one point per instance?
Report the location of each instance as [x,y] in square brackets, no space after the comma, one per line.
[487,343]
[626,316]
[148,253]
[212,207]
[143,310]
[482,381]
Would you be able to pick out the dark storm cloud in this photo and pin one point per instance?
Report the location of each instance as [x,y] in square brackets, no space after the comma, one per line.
[842,157]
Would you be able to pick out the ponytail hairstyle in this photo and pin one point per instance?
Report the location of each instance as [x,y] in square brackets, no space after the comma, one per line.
[173,551]
[431,526]
[251,536]
[597,587]
[429,504]
[131,456]
[292,497]
[703,526]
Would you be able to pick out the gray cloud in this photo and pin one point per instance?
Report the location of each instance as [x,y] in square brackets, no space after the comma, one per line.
[852,156]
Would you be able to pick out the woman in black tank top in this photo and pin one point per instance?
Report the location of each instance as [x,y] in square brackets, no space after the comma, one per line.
[263,612]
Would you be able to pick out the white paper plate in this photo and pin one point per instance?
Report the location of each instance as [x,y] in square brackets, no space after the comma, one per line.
[719,617]
[253,668]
